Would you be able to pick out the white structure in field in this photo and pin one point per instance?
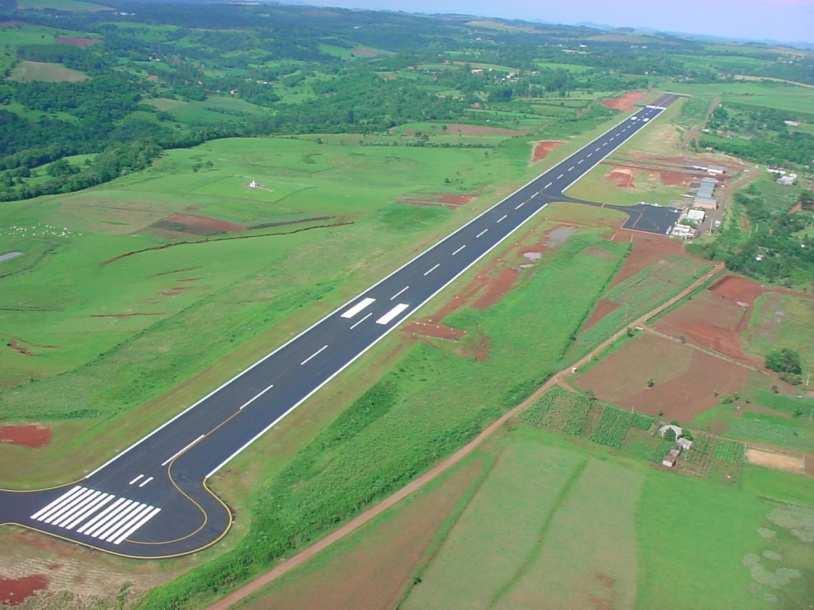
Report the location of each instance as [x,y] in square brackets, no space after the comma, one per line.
[253,184]
[696,215]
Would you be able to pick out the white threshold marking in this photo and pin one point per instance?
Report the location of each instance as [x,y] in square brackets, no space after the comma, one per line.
[547,185]
[100,521]
[431,269]
[390,315]
[145,481]
[358,307]
[358,322]
[464,246]
[393,298]
[314,355]
[120,516]
[54,503]
[124,524]
[179,452]
[137,525]
[136,479]
[251,400]
[66,507]
[502,218]
[65,516]
[97,505]
[482,233]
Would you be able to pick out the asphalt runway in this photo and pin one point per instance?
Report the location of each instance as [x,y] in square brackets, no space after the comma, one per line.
[151,500]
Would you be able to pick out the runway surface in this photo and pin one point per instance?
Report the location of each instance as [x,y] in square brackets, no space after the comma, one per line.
[151,500]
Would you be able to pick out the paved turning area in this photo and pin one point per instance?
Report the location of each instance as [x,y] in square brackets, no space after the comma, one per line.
[151,500]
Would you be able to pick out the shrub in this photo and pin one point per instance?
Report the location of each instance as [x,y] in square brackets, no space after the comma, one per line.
[784,360]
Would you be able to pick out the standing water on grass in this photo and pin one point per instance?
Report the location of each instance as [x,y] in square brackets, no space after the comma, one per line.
[7,256]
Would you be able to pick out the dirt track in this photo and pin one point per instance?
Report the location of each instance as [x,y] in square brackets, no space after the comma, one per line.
[303,556]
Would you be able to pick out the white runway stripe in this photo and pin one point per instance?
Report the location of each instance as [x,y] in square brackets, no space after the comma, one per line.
[63,498]
[358,307]
[97,527]
[360,320]
[67,506]
[118,520]
[136,525]
[100,516]
[69,514]
[125,523]
[390,315]
[89,510]
[136,479]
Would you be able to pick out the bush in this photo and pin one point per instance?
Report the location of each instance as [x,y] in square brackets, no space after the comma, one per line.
[784,361]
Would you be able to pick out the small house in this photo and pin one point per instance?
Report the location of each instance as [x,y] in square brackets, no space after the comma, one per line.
[671,458]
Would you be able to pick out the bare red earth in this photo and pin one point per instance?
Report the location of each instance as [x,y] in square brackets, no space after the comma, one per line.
[603,308]
[82,43]
[646,249]
[197,225]
[14,591]
[497,288]
[28,435]
[430,329]
[455,199]
[624,103]
[621,177]
[541,149]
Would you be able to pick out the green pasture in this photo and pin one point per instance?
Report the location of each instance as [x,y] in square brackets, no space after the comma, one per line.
[781,96]
[27,71]
[61,5]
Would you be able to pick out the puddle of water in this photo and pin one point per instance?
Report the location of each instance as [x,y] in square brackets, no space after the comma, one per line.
[7,256]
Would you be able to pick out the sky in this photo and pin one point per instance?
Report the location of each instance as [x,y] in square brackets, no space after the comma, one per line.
[786,20]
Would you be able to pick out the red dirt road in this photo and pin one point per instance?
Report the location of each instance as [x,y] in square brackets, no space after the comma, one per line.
[28,435]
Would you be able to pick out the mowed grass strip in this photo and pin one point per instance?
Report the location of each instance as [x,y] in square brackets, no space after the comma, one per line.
[499,529]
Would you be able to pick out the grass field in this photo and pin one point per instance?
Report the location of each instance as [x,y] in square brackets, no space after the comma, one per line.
[563,524]
[763,93]
[782,320]
[27,71]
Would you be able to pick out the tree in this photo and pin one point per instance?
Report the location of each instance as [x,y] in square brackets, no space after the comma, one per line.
[784,360]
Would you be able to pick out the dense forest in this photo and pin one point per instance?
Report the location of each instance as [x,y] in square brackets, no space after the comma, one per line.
[116,78]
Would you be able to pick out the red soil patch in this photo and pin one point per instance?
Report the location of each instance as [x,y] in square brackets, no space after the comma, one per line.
[28,435]
[687,381]
[737,288]
[456,199]
[646,249]
[541,149]
[14,591]
[496,288]
[624,103]
[82,43]
[196,225]
[430,329]
[621,177]
[716,318]
[603,308]
[671,178]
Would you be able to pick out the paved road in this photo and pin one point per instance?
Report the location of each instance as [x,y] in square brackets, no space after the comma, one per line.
[151,500]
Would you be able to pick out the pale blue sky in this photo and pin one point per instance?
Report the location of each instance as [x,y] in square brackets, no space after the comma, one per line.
[790,20]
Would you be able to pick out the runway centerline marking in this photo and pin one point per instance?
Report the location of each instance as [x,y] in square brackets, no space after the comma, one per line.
[464,246]
[358,307]
[253,398]
[482,233]
[520,205]
[547,185]
[136,479]
[391,315]
[393,298]
[145,482]
[502,218]
[431,269]
[358,322]
[314,355]
[560,176]
[534,196]
[180,451]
